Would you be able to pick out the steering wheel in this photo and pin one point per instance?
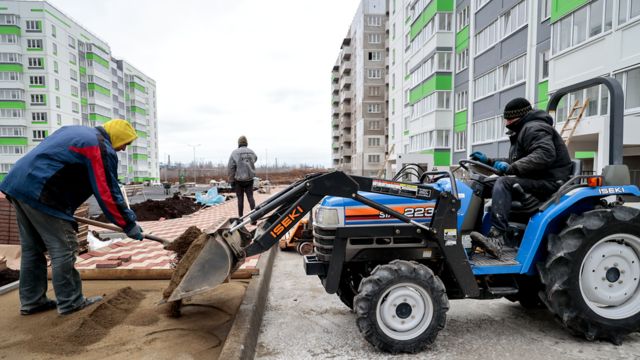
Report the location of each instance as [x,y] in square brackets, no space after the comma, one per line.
[478,167]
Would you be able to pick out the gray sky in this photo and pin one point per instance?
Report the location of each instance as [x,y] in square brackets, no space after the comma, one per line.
[227,68]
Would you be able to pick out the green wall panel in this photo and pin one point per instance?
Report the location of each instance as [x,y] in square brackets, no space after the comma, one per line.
[542,89]
[462,39]
[101,89]
[437,82]
[585,155]
[460,121]
[97,58]
[138,110]
[140,156]
[11,67]
[9,30]
[12,105]
[141,134]
[560,8]
[13,141]
[98,117]
[428,13]
[441,157]
[135,85]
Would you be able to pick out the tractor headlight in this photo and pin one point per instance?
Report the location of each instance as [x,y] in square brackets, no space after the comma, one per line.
[327,216]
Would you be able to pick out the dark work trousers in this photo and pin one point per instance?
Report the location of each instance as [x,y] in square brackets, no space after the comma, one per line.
[501,194]
[242,188]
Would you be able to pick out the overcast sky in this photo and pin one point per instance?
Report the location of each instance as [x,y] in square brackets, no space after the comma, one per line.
[227,68]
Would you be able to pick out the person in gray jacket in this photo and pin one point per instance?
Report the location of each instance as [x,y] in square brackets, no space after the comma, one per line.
[242,170]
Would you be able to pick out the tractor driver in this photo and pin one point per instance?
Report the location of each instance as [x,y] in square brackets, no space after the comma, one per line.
[538,160]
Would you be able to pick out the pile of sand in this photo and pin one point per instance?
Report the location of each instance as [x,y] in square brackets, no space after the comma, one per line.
[181,244]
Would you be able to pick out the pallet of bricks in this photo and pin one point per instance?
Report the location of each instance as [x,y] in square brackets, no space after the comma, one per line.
[10,235]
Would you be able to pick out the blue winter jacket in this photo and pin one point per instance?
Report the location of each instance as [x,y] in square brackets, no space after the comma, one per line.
[64,170]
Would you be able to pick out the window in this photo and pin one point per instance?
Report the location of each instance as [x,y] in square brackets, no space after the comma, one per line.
[374,73]
[73,58]
[505,25]
[72,42]
[74,91]
[39,134]
[5,168]
[56,84]
[374,91]
[12,149]
[39,116]
[460,143]
[444,21]
[487,130]
[375,55]
[75,107]
[595,18]
[10,113]
[34,44]
[374,125]
[53,30]
[10,76]
[593,96]
[8,39]
[59,119]
[582,25]
[481,3]
[58,102]
[462,99]
[504,76]
[55,49]
[55,66]
[543,65]
[374,141]
[374,38]
[512,72]
[462,60]
[10,58]
[546,9]
[34,26]
[38,99]
[429,140]
[374,20]
[7,19]
[373,158]
[438,100]
[579,26]
[462,18]
[73,75]
[36,80]
[12,131]
[632,89]
[36,63]
[11,94]
[374,108]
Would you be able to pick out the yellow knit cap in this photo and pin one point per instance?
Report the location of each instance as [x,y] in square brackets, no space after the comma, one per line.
[120,132]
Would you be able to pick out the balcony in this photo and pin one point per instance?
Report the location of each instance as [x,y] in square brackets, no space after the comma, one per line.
[335,100]
[347,152]
[345,80]
[345,123]
[335,133]
[346,95]
[345,107]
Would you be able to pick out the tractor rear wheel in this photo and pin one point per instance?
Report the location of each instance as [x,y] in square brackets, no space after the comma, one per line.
[592,274]
[401,307]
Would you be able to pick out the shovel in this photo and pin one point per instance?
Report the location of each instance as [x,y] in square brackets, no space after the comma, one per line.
[162,241]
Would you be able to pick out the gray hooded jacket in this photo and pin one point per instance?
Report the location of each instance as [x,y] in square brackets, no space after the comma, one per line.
[242,164]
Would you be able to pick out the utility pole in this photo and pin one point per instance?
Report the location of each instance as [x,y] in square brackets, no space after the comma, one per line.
[195,180]
[266,161]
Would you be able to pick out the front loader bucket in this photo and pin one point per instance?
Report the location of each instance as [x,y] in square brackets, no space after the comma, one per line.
[217,257]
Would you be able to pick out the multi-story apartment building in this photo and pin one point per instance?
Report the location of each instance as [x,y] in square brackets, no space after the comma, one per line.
[54,72]
[499,50]
[359,93]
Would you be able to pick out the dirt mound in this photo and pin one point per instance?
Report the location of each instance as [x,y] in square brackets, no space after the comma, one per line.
[181,244]
[8,276]
[90,325]
[170,208]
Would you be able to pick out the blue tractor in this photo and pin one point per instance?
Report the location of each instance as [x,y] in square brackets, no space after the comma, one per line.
[397,251]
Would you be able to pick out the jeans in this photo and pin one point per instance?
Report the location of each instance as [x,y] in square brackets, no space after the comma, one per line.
[39,233]
[501,196]
[242,188]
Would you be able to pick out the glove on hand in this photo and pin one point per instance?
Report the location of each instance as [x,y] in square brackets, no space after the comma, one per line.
[135,233]
[501,166]
[479,156]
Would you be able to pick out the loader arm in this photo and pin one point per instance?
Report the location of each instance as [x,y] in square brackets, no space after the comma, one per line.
[292,204]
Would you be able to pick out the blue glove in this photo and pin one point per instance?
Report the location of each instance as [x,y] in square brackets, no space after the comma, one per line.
[135,232]
[479,156]
[501,166]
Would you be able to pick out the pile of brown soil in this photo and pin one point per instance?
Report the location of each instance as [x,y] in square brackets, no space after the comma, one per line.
[181,244]
[170,208]
[7,276]
[90,325]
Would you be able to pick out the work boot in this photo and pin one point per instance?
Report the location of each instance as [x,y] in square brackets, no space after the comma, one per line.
[492,244]
[47,305]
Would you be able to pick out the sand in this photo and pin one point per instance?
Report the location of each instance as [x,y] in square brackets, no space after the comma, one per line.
[126,325]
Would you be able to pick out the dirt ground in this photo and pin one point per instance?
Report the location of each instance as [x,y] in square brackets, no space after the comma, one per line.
[171,208]
[127,324]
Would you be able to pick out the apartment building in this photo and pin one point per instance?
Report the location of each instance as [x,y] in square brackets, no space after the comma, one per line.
[54,72]
[359,93]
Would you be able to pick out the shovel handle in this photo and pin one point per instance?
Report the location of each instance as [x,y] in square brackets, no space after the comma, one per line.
[119,229]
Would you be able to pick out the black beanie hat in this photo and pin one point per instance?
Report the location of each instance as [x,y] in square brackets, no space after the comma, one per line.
[517,108]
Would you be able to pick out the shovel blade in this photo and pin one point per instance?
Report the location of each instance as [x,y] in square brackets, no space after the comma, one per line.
[210,269]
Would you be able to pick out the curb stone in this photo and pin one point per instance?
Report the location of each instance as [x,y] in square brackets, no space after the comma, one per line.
[243,336]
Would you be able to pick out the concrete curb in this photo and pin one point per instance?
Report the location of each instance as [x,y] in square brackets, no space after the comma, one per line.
[243,336]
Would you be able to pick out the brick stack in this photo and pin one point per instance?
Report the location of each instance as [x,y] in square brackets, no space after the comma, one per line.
[83,229]
[9,233]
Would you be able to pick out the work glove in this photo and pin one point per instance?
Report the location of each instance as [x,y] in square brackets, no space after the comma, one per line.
[135,232]
[479,156]
[501,166]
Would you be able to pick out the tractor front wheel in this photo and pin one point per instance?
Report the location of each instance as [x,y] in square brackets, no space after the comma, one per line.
[401,307]
[592,274]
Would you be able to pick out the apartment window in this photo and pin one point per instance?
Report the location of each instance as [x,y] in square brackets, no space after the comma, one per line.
[393,56]
[10,58]
[39,134]
[5,168]
[36,80]
[34,44]
[75,107]
[429,140]
[55,66]
[53,30]
[543,65]
[74,91]
[36,63]
[437,100]
[374,73]
[10,76]
[73,74]
[10,113]
[11,94]
[374,125]
[12,149]
[58,102]
[460,143]
[481,3]
[12,131]
[546,9]
[504,76]
[55,49]
[462,60]
[512,72]
[444,21]
[8,39]
[393,106]
[593,96]
[486,130]
[38,99]
[393,31]
[461,101]
[373,158]
[374,20]
[39,116]
[374,108]
[373,141]
[7,19]
[73,58]
[72,42]
[627,10]
[375,55]
[374,38]
[462,18]
[581,25]
[59,119]
[502,27]
[374,91]
[34,26]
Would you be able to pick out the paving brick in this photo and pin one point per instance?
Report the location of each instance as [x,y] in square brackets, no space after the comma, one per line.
[108,264]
